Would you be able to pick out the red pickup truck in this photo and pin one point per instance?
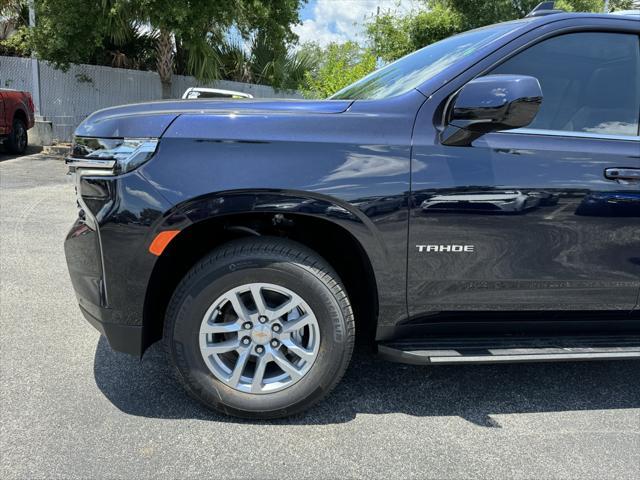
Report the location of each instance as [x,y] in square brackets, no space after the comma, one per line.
[16,117]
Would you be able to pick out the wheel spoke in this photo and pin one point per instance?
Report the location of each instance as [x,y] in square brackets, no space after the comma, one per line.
[297,324]
[258,376]
[283,309]
[222,347]
[256,293]
[226,327]
[303,353]
[238,307]
[286,365]
[239,367]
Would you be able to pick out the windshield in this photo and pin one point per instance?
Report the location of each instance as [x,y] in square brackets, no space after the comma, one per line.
[413,70]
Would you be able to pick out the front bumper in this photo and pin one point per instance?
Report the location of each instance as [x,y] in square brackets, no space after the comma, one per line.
[108,258]
[83,253]
[121,338]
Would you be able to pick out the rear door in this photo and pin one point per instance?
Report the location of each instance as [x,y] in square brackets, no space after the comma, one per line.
[543,218]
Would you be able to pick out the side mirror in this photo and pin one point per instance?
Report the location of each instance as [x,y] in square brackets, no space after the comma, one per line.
[491,103]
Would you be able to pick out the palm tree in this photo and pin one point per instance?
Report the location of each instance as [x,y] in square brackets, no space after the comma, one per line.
[258,63]
[204,51]
[164,61]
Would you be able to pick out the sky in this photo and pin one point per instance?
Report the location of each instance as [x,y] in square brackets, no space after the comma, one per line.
[326,21]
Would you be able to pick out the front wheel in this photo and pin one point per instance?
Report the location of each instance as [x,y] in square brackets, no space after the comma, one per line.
[260,328]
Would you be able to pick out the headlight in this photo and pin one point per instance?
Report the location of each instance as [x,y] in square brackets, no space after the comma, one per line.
[116,155]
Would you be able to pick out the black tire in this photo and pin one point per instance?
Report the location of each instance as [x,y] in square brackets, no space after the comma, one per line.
[260,259]
[18,140]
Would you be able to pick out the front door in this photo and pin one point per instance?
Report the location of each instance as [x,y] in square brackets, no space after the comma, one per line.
[543,218]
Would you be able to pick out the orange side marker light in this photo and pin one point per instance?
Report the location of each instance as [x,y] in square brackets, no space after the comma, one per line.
[161,241]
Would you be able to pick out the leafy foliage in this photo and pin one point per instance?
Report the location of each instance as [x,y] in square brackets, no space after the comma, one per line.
[258,64]
[244,40]
[593,5]
[434,25]
[174,36]
[341,65]
[69,31]
[393,36]
[15,17]
[478,13]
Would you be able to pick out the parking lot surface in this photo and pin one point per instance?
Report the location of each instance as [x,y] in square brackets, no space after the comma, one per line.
[72,408]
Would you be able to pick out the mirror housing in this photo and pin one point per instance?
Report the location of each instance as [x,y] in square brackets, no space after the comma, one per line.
[491,103]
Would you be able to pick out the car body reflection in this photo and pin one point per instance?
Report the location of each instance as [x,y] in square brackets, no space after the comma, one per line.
[610,204]
[370,206]
[304,205]
[505,201]
[374,206]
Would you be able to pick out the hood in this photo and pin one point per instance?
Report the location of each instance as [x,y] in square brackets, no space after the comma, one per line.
[152,119]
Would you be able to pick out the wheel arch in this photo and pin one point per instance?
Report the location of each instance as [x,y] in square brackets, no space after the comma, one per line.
[19,113]
[338,232]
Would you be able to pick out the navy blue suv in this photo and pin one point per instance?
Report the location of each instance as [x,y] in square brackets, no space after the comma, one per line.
[475,201]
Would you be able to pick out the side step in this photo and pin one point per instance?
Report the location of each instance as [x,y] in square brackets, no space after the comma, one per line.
[511,349]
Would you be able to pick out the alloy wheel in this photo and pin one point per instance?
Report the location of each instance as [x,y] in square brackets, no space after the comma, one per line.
[259,338]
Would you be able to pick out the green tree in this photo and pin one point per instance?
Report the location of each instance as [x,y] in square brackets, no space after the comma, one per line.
[184,31]
[257,63]
[14,15]
[342,64]
[616,5]
[593,5]
[192,24]
[392,36]
[478,13]
[436,24]
[69,31]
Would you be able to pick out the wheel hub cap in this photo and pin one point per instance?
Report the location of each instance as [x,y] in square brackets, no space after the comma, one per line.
[261,334]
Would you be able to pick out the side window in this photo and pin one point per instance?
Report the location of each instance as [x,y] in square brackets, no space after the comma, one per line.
[590,82]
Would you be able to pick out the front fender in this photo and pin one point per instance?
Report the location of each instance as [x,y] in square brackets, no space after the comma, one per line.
[351,168]
[388,274]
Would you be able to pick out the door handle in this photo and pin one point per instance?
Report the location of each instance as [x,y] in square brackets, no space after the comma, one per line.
[625,174]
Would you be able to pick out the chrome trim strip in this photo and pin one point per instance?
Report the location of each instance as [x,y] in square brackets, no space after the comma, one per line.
[563,133]
[89,163]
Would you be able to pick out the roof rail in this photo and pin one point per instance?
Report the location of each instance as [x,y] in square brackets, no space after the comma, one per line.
[544,8]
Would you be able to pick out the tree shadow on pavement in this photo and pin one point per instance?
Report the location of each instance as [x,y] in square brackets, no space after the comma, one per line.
[373,386]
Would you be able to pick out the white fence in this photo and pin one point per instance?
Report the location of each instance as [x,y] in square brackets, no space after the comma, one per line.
[66,98]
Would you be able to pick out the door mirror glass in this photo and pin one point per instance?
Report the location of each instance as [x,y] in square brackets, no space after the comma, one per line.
[491,103]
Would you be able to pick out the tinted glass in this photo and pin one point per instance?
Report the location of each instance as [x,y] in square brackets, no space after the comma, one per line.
[416,68]
[210,95]
[590,82]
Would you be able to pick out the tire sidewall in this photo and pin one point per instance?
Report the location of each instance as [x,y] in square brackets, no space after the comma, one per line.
[18,125]
[209,284]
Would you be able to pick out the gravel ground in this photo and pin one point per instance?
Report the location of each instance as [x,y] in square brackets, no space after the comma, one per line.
[72,408]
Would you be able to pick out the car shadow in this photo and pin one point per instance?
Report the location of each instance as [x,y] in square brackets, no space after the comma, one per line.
[31,150]
[373,386]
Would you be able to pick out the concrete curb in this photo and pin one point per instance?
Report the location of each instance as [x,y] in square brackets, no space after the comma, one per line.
[61,150]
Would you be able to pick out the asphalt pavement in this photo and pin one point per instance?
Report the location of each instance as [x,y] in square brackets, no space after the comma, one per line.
[72,408]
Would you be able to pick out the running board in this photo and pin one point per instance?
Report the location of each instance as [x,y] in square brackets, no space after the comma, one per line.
[511,349]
